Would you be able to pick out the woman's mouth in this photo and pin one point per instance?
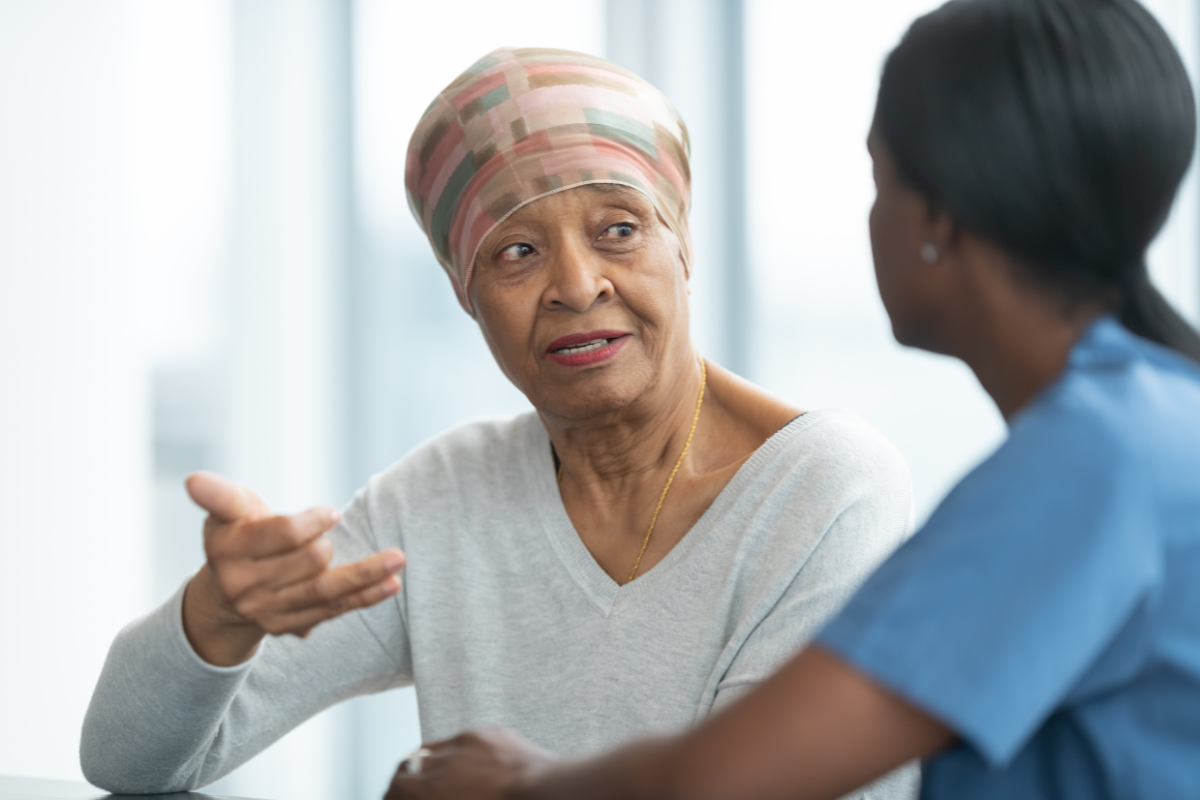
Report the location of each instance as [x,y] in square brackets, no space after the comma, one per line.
[582,349]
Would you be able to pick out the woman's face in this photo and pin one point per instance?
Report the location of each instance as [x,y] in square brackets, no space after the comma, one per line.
[582,298]
[902,224]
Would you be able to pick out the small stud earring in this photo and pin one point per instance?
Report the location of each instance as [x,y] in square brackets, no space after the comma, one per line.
[929,253]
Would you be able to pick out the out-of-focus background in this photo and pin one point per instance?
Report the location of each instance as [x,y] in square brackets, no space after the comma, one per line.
[207,261]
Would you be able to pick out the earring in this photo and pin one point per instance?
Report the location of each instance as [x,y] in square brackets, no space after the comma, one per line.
[929,253]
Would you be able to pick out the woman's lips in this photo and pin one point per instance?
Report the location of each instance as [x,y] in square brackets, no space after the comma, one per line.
[582,349]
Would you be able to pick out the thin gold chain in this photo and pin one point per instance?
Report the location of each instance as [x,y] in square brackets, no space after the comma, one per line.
[670,480]
[679,462]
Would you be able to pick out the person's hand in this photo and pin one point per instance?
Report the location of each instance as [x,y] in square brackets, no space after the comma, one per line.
[478,765]
[269,575]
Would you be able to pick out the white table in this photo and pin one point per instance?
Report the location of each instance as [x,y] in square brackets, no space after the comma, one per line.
[14,788]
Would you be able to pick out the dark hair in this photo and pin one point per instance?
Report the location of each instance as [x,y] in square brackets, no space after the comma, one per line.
[1057,129]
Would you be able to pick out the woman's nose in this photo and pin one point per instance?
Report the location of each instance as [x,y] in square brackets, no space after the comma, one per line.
[577,280]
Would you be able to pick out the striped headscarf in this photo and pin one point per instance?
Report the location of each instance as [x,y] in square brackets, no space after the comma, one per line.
[522,124]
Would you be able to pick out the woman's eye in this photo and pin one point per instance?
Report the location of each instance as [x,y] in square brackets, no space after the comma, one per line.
[515,252]
[621,230]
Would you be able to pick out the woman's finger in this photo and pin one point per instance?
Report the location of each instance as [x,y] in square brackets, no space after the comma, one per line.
[271,536]
[300,622]
[279,572]
[334,586]
[223,499]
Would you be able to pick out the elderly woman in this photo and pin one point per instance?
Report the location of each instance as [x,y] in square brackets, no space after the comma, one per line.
[652,541]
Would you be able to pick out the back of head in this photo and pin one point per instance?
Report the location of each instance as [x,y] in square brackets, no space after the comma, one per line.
[1057,129]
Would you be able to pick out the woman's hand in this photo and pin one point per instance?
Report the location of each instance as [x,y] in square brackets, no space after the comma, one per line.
[479,765]
[268,574]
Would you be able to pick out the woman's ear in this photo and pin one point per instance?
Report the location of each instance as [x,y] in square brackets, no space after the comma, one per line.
[940,237]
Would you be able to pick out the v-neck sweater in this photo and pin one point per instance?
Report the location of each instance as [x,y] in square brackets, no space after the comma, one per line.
[506,619]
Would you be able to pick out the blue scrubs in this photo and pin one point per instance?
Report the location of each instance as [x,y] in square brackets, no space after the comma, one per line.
[1049,611]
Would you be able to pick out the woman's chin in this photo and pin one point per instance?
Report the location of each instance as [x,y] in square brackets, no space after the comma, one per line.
[911,333]
[592,402]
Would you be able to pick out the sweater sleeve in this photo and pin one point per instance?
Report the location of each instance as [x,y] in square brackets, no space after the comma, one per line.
[163,720]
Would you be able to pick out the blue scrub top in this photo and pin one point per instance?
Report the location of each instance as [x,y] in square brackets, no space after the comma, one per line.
[1049,611]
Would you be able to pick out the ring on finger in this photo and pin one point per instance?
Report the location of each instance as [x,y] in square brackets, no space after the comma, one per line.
[412,765]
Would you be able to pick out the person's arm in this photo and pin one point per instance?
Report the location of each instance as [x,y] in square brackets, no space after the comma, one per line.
[199,686]
[817,729]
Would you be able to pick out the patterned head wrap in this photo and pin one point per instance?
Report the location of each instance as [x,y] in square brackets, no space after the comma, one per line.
[522,124]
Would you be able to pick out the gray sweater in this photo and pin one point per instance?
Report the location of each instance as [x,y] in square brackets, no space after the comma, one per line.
[505,618]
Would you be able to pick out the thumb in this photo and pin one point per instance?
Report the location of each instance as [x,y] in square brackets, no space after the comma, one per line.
[225,500]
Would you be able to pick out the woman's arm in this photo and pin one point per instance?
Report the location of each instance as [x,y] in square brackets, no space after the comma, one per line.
[190,691]
[817,729]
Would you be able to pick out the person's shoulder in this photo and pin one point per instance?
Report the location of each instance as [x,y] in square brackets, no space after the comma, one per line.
[448,482]
[833,474]
[484,436]
[1162,390]
[1098,436]
[842,444]
[835,457]
[1123,399]
[467,453]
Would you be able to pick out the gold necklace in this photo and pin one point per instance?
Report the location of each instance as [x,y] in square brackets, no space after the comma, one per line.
[687,444]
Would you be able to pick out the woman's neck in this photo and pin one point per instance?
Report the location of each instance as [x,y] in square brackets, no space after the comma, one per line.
[613,454]
[1015,335]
